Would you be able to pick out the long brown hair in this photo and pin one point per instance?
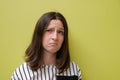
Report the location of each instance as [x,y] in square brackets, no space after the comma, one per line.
[34,53]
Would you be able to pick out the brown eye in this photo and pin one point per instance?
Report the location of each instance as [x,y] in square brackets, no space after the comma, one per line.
[49,30]
[61,32]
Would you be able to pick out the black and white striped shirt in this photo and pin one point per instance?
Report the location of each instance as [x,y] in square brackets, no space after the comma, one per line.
[23,72]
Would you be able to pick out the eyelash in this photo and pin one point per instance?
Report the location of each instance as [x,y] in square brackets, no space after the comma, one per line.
[49,30]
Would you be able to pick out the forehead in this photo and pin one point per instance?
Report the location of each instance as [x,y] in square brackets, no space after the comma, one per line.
[55,23]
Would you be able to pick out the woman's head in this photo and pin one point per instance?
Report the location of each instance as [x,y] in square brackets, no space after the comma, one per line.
[39,41]
[53,38]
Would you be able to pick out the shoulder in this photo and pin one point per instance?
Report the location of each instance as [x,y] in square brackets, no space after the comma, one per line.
[73,64]
[21,71]
[76,69]
[22,66]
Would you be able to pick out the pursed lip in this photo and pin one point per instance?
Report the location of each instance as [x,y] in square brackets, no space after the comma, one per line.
[53,43]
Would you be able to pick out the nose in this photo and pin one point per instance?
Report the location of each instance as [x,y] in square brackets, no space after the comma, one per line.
[55,36]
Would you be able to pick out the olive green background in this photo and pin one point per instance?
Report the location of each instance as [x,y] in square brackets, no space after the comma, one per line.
[94,34]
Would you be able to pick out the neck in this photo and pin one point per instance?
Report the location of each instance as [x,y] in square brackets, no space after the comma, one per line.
[49,59]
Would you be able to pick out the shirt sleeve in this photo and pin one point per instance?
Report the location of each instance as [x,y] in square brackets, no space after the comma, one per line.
[77,70]
[79,73]
[15,75]
[19,73]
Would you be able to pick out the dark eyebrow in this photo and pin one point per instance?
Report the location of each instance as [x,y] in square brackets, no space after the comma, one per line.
[61,28]
[49,28]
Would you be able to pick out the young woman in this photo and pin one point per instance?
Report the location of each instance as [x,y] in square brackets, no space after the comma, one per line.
[47,56]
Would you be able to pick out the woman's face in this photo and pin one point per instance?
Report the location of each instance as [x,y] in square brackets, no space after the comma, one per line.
[53,37]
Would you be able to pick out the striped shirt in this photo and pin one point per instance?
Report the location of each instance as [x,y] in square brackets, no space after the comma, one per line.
[23,72]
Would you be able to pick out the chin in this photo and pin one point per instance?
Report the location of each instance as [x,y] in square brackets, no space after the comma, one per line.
[53,51]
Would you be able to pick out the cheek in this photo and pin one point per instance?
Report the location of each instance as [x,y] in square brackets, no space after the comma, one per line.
[44,40]
[61,40]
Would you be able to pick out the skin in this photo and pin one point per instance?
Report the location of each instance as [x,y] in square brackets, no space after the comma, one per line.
[53,38]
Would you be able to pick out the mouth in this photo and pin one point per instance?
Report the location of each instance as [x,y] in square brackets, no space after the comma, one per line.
[53,44]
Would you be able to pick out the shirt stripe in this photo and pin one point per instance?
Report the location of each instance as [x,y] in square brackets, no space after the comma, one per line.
[23,72]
